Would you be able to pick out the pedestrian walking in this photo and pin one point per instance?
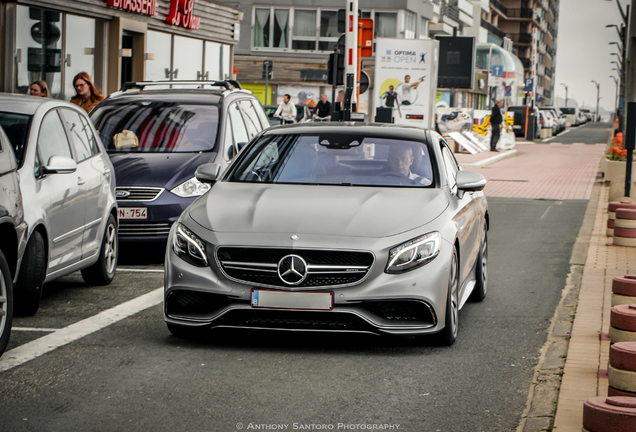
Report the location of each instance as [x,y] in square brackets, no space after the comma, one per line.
[286,110]
[39,88]
[496,118]
[86,95]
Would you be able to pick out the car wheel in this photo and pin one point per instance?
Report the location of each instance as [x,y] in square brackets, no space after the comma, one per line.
[28,289]
[481,273]
[6,303]
[451,324]
[103,271]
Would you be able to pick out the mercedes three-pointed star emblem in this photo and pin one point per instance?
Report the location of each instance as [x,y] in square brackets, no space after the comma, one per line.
[292,270]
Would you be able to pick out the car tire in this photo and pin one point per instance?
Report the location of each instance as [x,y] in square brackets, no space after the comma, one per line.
[103,271]
[448,335]
[481,271]
[6,303]
[28,289]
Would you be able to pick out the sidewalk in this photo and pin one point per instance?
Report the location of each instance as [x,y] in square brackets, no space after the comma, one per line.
[574,359]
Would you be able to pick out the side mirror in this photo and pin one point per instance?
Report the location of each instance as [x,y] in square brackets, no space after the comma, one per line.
[470,181]
[60,165]
[208,173]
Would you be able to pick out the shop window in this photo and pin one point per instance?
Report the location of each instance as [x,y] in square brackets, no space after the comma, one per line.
[304,37]
[39,49]
[187,58]
[385,24]
[80,51]
[271,28]
[225,62]
[158,64]
[212,65]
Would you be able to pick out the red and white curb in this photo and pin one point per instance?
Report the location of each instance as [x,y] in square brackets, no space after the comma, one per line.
[621,371]
[623,324]
[624,290]
[611,414]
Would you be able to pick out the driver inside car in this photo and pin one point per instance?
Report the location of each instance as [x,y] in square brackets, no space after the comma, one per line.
[400,161]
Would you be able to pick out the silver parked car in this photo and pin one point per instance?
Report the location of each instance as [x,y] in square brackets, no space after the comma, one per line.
[68,189]
[331,227]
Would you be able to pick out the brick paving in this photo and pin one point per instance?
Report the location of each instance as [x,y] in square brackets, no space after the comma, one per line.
[541,171]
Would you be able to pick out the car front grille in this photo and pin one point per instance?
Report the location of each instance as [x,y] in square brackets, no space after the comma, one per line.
[325,268]
[402,311]
[145,229]
[194,303]
[133,193]
[291,320]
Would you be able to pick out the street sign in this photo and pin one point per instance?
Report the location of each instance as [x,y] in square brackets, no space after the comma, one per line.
[494,81]
[497,71]
[529,85]
[508,90]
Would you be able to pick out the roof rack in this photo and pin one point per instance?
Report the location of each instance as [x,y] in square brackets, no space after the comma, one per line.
[228,84]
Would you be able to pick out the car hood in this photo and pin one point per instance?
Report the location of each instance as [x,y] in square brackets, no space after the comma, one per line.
[311,209]
[157,169]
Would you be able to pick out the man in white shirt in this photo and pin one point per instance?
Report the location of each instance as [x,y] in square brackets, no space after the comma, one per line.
[286,110]
[407,86]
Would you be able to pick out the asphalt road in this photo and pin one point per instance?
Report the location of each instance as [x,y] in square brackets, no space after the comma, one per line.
[134,376]
[589,133]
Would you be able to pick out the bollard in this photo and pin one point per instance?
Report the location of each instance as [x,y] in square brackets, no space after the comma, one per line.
[611,214]
[623,324]
[624,290]
[621,370]
[611,414]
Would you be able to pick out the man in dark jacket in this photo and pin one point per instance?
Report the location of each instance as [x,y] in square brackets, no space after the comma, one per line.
[496,118]
[323,109]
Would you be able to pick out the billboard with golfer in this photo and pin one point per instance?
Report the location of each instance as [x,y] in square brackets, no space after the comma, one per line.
[406,79]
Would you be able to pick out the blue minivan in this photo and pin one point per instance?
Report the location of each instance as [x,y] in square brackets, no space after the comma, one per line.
[156,138]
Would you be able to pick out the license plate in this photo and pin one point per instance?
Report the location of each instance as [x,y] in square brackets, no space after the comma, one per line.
[133,213]
[298,300]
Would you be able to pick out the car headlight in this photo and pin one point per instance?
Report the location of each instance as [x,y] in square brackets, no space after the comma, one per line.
[189,247]
[191,188]
[414,253]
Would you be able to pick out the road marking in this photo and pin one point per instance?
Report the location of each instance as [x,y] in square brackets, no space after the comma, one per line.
[564,132]
[33,329]
[140,270]
[61,337]
[546,212]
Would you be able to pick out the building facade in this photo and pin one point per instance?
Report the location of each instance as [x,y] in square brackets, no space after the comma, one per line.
[114,41]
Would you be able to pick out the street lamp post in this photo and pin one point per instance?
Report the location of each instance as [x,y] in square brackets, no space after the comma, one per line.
[617,82]
[598,92]
[566,94]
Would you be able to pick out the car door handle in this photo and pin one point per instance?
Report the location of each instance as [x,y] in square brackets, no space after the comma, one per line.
[80,181]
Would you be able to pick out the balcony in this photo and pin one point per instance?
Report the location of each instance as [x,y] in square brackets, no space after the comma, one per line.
[547,94]
[520,38]
[524,14]
[492,29]
[499,6]
[548,72]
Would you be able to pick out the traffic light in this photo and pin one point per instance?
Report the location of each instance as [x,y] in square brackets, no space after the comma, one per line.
[268,69]
[337,61]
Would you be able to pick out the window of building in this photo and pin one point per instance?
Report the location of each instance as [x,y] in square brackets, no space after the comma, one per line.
[271,28]
[304,37]
[410,25]
[385,24]
[80,51]
[187,58]
[328,30]
[423,28]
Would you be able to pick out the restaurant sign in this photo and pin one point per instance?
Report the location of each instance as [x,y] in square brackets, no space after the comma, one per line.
[181,14]
[143,7]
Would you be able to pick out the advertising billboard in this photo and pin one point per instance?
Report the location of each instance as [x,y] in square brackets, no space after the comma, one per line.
[406,79]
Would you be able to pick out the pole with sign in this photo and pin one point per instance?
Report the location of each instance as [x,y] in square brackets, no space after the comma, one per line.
[351,58]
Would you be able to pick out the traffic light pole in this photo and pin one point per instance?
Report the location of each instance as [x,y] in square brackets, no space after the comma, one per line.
[351,59]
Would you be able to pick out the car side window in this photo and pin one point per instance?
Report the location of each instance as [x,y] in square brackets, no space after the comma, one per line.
[52,140]
[450,165]
[251,118]
[239,131]
[81,135]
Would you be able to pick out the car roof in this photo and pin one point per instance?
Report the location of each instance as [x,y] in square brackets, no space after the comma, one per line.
[383,130]
[25,104]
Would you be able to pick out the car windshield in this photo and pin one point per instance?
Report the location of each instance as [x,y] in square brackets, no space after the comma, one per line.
[336,159]
[567,110]
[16,126]
[156,126]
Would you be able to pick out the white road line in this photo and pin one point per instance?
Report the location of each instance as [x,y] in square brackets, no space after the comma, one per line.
[61,337]
[33,329]
[564,132]
[139,270]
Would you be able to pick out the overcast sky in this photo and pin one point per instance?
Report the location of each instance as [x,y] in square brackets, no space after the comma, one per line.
[583,50]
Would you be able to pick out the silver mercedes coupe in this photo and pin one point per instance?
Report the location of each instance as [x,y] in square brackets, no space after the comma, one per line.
[334,228]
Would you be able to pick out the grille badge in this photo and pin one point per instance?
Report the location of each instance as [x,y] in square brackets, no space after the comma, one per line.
[122,194]
[292,270]
[295,237]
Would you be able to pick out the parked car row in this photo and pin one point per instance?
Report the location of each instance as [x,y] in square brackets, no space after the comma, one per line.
[127,174]
[575,116]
